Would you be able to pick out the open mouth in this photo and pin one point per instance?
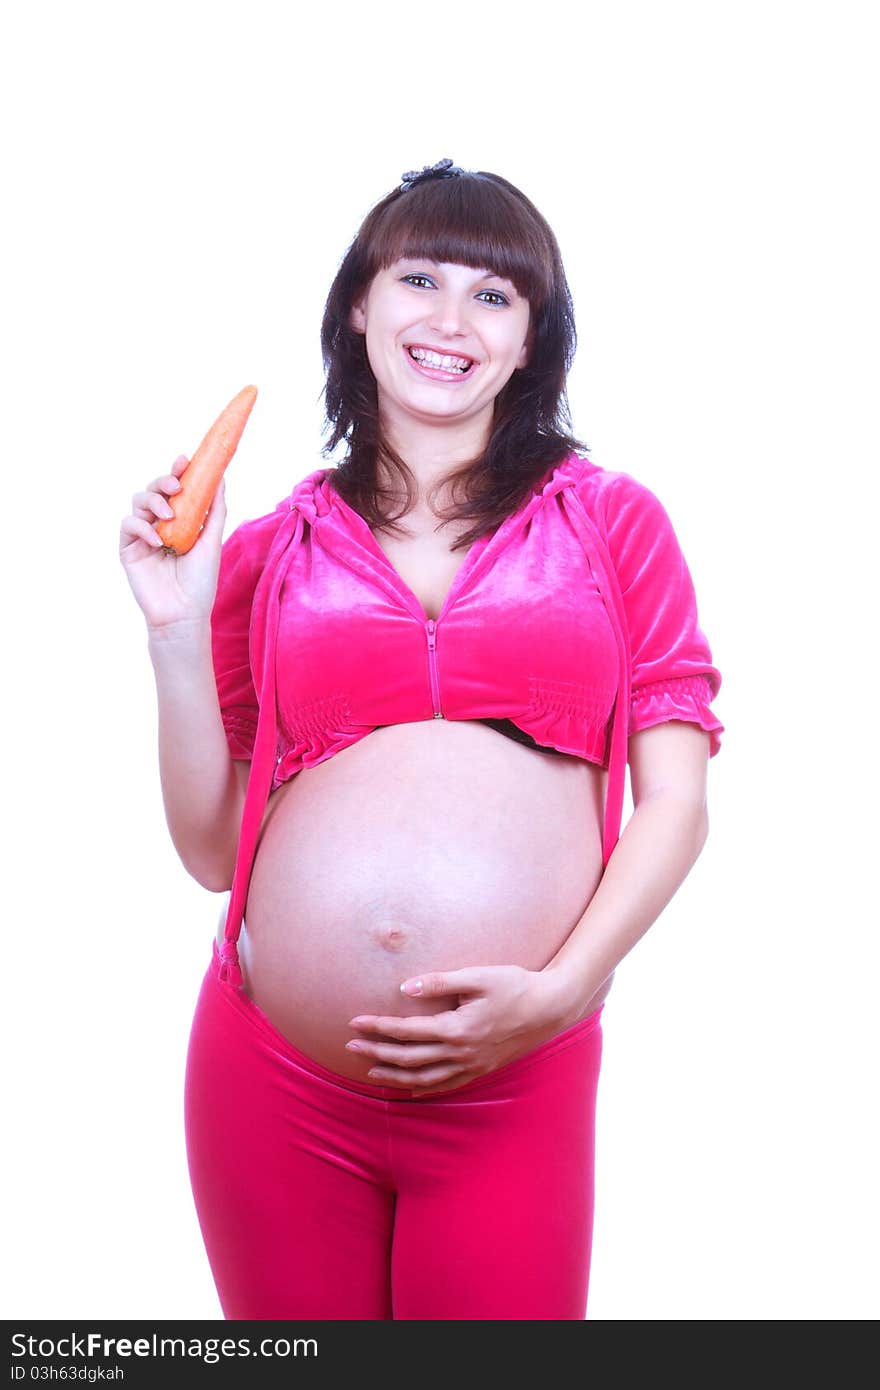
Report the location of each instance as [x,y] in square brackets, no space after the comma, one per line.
[445,367]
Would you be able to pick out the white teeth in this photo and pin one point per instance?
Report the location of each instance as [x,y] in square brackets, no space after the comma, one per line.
[433,359]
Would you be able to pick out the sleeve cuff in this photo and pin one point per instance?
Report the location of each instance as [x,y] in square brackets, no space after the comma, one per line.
[682,697]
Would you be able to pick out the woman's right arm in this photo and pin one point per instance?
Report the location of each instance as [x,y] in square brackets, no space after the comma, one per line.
[202,785]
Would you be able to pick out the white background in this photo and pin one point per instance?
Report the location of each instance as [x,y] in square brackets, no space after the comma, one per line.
[180,183]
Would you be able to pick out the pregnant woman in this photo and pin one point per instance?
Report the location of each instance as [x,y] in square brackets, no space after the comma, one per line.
[395,716]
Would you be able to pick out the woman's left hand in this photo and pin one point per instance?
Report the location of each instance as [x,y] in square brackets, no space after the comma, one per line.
[509,1011]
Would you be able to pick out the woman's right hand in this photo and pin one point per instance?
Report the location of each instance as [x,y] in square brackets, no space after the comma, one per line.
[171,588]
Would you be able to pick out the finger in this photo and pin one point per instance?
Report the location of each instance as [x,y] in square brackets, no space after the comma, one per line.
[170,482]
[150,504]
[393,1076]
[160,505]
[134,528]
[407,1055]
[217,511]
[415,1028]
[444,982]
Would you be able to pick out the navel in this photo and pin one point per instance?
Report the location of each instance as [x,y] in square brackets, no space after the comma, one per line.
[391,934]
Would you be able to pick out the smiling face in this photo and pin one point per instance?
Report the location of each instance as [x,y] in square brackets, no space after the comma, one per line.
[423,322]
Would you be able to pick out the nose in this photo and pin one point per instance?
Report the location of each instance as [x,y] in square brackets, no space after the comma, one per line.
[448,317]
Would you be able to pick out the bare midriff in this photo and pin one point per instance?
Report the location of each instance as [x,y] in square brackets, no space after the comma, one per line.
[426,846]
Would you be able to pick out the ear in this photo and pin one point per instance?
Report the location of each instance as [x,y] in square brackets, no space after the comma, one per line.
[357,319]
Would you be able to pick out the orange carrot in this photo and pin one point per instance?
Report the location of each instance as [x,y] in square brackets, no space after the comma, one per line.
[201,477]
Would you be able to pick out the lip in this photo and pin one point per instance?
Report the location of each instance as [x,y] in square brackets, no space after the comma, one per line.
[437,373]
[442,352]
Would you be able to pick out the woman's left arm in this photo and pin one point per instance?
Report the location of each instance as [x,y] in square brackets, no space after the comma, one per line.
[660,843]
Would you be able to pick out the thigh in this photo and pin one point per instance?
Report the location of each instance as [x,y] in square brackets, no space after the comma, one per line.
[288,1173]
[494,1215]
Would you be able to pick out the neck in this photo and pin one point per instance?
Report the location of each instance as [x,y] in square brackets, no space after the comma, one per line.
[431,451]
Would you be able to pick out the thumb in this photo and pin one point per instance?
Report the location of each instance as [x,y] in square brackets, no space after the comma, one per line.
[443,982]
[217,510]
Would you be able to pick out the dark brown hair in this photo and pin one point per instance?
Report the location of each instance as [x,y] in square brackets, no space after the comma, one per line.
[479,220]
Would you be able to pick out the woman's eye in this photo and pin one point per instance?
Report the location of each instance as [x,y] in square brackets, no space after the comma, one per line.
[499,299]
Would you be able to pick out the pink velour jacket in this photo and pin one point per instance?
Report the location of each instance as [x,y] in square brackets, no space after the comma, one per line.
[575,621]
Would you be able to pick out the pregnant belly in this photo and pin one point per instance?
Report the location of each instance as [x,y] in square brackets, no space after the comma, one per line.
[426,846]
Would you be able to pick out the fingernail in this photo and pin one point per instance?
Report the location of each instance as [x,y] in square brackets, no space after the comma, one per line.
[411,987]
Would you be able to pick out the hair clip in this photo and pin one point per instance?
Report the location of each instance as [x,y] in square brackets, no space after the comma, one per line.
[443,169]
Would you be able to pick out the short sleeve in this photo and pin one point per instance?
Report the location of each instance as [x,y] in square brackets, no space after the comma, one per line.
[242,558]
[673,676]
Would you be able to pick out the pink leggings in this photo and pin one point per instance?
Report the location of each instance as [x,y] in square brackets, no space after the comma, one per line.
[322,1197]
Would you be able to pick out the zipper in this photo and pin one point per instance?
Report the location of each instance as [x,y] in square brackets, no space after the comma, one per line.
[432,666]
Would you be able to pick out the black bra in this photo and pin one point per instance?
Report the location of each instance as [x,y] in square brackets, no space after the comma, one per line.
[507,726]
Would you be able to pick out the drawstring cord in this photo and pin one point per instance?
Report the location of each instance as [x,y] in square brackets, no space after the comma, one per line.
[609,589]
[263,761]
[230,969]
